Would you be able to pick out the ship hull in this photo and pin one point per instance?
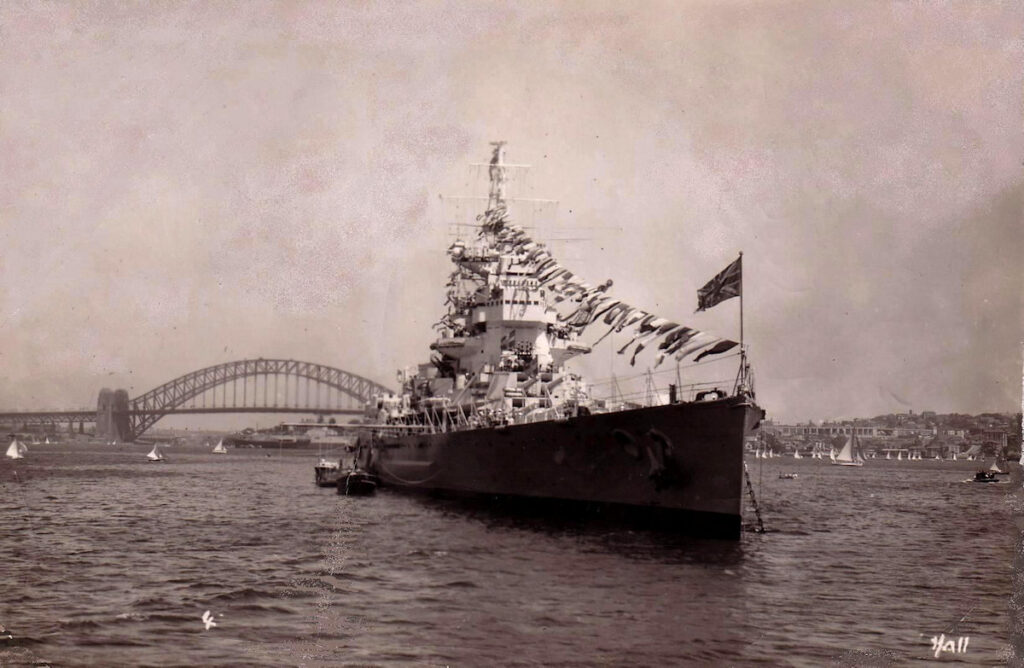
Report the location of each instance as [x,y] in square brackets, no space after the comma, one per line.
[678,466]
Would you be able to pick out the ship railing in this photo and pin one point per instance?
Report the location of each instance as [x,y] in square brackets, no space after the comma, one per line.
[432,427]
[541,415]
[462,420]
[450,418]
[659,396]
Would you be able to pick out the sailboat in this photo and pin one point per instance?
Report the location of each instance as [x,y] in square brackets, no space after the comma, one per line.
[899,456]
[155,455]
[850,455]
[832,455]
[17,450]
[219,449]
[995,468]
[796,454]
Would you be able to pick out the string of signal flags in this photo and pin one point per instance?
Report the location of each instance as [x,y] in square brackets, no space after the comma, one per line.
[597,307]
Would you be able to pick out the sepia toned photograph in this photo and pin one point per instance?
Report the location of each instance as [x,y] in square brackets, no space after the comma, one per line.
[451,333]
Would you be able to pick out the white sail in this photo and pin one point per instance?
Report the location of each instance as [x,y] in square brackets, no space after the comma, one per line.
[899,456]
[796,454]
[846,454]
[155,455]
[16,450]
[850,455]
[219,448]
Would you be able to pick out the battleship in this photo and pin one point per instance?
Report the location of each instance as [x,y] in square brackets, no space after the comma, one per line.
[499,414]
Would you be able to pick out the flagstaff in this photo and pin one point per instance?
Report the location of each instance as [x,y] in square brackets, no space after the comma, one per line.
[742,349]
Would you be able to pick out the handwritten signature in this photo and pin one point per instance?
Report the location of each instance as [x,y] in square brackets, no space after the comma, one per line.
[942,644]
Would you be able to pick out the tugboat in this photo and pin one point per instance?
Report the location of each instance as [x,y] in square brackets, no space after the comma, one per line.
[498,414]
[357,482]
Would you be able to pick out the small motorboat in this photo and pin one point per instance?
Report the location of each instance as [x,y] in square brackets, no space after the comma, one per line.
[327,472]
[788,476]
[985,476]
[357,482]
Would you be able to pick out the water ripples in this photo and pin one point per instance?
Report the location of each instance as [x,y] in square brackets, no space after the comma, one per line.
[110,560]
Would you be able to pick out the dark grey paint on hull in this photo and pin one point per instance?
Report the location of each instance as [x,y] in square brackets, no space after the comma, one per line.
[678,466]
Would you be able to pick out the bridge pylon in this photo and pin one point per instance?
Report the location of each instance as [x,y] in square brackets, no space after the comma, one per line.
[113,422]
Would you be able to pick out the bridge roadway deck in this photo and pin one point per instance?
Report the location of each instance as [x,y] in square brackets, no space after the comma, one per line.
[90,415]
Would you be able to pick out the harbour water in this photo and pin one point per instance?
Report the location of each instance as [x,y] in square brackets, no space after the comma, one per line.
[110,560]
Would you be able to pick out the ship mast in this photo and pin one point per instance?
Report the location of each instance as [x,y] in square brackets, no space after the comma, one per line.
[499,177]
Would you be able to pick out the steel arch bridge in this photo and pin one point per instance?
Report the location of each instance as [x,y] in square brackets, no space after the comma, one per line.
[245,386]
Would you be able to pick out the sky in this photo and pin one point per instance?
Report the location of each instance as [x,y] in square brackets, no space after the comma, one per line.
[186,184]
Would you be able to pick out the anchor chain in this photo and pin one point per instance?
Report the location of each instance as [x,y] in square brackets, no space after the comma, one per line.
[753,499]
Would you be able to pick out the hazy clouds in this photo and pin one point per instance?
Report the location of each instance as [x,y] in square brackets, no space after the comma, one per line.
[183,185]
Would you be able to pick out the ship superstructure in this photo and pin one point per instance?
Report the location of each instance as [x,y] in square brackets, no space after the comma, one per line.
[502,347]
[498,412]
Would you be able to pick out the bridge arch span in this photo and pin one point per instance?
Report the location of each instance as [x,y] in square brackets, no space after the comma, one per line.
[145,410]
